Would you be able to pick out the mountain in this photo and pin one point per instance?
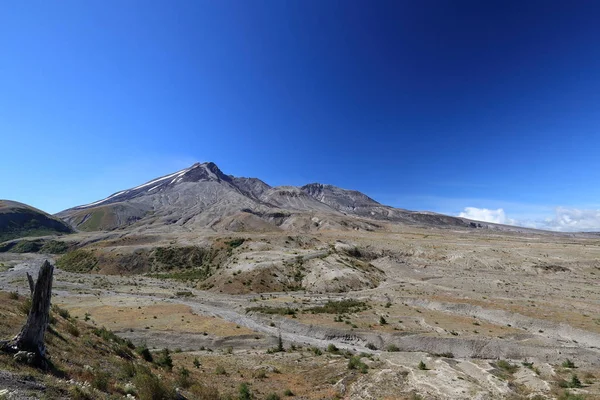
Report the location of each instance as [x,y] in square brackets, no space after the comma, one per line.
[202,196]
[19,220]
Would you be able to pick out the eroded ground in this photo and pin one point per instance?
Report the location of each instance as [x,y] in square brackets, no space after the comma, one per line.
[488,315]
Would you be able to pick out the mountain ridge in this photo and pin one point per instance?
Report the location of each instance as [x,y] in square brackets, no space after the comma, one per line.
[202,196]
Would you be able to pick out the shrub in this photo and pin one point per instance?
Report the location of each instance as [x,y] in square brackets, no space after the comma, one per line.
[61,311]
[128,369]
[355,363]
[220,370]
[76,393]
[150,387]
[164,360]
[288,392]
[236,242]
[25,306]
[244,392]
[122,351]
[392,347]
[371,346]
[183,378]
[73,330]
[568,364]
[202,392]
[422,366]
[100,381]
[54,247]
[261,374]
[110,336]
[13,296]
[331,348]
[340,307]
[26,246]
[196,363]
[145,353]
[570,396]
[273,310]
[273,396]
[506,366]
[382,321]
[575,382]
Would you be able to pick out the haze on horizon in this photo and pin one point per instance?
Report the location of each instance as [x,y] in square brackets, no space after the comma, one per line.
[487,110]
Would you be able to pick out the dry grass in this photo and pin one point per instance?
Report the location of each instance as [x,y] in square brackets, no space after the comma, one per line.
[171,317]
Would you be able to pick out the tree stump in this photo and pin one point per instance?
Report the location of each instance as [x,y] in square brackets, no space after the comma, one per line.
[31,337]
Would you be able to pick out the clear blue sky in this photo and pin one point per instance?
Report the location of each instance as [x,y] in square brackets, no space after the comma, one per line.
[427,105]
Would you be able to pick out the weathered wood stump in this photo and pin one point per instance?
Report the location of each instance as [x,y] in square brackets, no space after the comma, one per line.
[31,338]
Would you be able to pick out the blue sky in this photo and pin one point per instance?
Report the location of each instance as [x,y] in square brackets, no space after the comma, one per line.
[426,105]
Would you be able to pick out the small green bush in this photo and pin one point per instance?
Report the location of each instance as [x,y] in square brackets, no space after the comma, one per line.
[151,387]
[507,367]
[73,330]
[422,366]
[184,379]
[355,363]
[164,360]
[100,381]
[340,307]
[128,369]
[568,364]
[144,352]
[203,392]
[392,347]
[77,393]
[61,311]
[220,370]
[244,392]
[332,348]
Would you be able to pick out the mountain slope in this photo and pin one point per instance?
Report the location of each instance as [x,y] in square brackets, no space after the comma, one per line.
[19,220]
[203,197]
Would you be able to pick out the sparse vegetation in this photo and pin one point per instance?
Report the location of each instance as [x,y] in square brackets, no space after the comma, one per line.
[244,392]
[355,362]
[392,348]
[340,307]
[507,366]
[272,310]
[77,261]
[164,360]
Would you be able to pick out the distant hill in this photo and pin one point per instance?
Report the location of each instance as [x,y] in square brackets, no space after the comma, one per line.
[203,197]
[20,220]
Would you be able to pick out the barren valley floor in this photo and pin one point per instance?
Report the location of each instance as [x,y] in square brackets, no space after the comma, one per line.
[436,313]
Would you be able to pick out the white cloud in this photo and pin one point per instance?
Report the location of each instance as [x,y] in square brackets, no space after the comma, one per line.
[563,220]
[483,214]
[573,220]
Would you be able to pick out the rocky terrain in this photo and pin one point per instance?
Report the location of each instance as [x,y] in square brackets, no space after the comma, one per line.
[310,292]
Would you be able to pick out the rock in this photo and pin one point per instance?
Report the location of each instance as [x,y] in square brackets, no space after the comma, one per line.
[25,357]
